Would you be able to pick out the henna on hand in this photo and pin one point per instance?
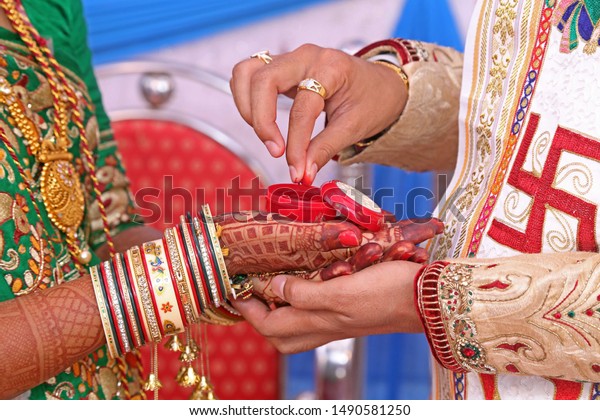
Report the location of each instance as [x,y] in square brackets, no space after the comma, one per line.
[269,243]
[45,332]
[262,243]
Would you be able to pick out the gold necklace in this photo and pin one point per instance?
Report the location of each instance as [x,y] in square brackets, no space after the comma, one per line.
[60,187]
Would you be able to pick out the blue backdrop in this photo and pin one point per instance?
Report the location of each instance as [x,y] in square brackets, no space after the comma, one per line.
[119,29]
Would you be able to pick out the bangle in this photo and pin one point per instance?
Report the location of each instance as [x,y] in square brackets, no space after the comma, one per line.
[205,263]
[202,224]
[197,279]
[109,331]
[398,69]
[146,300]
[116,307]
[137,301]
[215,234]
[212,256]
[161,288]
[202,282]
[127,297]
[174,261]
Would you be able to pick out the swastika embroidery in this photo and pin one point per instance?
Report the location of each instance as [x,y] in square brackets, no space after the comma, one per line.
[544,194]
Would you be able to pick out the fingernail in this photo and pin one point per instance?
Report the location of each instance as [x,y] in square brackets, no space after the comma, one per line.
[277,286]
[272,147]
[312,172]
[349,239]
[294,174]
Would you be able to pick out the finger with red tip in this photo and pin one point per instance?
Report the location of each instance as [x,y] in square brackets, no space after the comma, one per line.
[399,251]
[366,256]
[418,232]
[421,256]
[349,239]
[336,269]
[337,235]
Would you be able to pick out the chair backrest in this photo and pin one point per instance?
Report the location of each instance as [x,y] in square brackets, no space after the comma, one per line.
[176,161]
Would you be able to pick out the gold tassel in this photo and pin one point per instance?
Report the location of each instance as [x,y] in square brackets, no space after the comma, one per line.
[189,377]
[174,344]
[153,383]
[188,355]
[204,390]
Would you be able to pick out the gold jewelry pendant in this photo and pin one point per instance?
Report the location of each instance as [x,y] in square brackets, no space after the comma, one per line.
[61,191]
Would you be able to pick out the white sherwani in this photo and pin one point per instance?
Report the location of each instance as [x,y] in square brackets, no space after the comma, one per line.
[511,300]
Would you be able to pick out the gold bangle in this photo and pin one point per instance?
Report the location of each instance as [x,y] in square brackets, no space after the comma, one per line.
[398,69]
[127,300]
[143,295]
[180,275]
[162,288]
[111,344]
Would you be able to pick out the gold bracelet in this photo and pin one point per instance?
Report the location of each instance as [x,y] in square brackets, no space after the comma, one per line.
[111,344]
[398,69]
[150,313]
[180,275]
[162,288]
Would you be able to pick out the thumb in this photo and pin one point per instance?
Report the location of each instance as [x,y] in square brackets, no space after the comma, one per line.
[298,292]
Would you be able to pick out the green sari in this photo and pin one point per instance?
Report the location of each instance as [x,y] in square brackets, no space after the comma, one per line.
[33,254]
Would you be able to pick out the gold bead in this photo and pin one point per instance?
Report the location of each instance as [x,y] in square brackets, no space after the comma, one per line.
[85,257]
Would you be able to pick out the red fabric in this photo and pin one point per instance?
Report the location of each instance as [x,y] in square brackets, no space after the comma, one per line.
[179,169]
[566,390]
[490,386]
[544,194]
[430,313]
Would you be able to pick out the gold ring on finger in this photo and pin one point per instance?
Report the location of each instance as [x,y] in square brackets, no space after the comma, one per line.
[263,56]
[313,86]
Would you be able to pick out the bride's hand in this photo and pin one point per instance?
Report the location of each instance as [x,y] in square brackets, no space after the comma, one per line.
[268,243]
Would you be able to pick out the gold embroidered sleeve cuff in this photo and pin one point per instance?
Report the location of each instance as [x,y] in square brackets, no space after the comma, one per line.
[532,314]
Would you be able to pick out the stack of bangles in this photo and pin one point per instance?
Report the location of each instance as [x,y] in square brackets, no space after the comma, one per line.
[164,286]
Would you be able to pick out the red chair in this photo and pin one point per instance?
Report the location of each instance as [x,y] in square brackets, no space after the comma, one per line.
[176,161]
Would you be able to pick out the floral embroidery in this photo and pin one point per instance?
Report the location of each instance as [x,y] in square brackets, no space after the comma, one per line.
[456,300]
[578,20]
